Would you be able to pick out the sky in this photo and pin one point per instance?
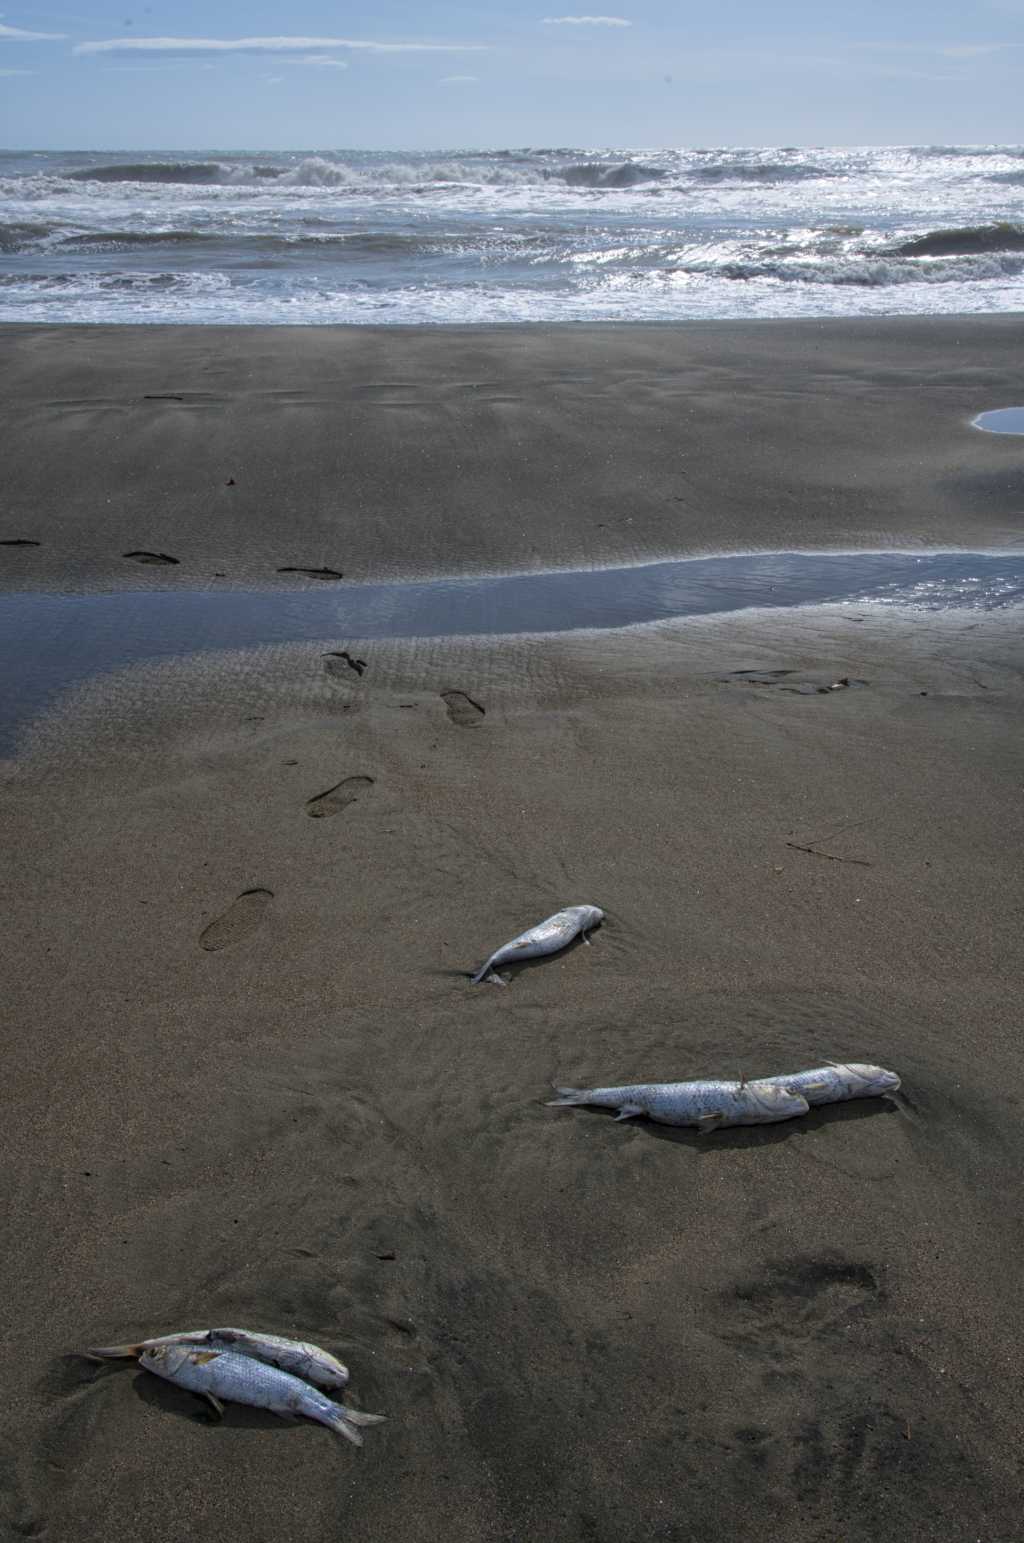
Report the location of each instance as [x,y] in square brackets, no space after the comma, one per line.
[310,75]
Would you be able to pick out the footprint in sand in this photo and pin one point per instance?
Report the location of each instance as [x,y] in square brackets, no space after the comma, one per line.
[792,680]
[338,798]
[314,573]
[151,557]
[341,663]
[241,916]
[461,708]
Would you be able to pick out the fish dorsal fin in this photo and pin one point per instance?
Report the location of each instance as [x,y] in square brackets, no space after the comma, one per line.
[201,1357]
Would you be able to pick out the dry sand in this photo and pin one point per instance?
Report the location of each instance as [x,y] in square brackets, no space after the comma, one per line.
[290,1110]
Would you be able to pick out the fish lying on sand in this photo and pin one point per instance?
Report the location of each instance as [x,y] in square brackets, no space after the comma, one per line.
[224,1374]
[709,1105]
[834,1081]
[546,938]
[297,1356]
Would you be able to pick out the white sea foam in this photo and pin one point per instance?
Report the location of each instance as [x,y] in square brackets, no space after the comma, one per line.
[520,235]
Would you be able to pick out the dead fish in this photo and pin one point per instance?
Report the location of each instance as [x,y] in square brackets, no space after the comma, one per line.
[709,1105]
[548,937]
[297,1356]
[239,1379]
[834,1081]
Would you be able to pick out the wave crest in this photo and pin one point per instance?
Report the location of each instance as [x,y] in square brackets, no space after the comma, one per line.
[593,174]
[151,171]
[23,235]
[964,241]
[758,171]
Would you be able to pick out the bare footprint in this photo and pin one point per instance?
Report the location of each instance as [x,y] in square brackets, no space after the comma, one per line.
[341,663]
[461,708]
[337,798]
[151,557]
[315,573]
[241,916]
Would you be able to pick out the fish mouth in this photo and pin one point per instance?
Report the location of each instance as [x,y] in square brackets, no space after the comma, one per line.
[873,1080]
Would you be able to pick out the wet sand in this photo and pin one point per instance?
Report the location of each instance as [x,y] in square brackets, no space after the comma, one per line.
[380,452]
[246,1079]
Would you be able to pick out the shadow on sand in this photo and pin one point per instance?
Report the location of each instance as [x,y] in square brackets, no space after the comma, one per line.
[741,1137]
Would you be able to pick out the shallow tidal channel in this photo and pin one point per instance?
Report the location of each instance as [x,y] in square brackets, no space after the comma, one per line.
[51,642]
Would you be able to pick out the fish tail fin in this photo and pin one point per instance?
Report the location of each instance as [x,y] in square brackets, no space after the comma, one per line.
[567,1096]
[114,1352]
[347,1422]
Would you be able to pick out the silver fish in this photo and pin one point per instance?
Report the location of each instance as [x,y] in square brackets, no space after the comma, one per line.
[224,1374]
[546,938]
[831,1083]
[709,1105]
[297,1356]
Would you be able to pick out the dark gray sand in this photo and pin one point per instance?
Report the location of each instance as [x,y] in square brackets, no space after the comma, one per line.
[246,1080]
[372,452]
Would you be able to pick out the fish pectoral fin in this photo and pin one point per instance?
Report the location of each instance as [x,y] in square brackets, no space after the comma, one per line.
[203,1357]
[709,1122]
[215,1404]
[628,1111]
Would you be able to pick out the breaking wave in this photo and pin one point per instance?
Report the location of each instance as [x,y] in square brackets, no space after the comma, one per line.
[758,171]
[627,174]
[866,271]
[964,240]
[313,171]
[23,235]
[148,171]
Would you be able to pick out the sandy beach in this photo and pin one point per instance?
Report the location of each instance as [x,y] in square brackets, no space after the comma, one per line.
[246,1079]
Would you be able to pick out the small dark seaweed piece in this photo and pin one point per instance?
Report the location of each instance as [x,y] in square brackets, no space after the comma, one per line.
[358,665]
[315,573]
[151,557]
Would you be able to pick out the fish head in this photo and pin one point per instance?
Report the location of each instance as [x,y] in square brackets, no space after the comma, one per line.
[591,916]
[167,1360]
[866,1081]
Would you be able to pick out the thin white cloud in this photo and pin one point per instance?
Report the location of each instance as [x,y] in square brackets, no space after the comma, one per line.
[586,21]
[971,50]
[270,45]
[944,50]
[321,61]
[16,35]
[457,80]
[17,72]
[156,69]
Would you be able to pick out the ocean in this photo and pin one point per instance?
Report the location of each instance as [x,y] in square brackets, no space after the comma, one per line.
[529,235]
